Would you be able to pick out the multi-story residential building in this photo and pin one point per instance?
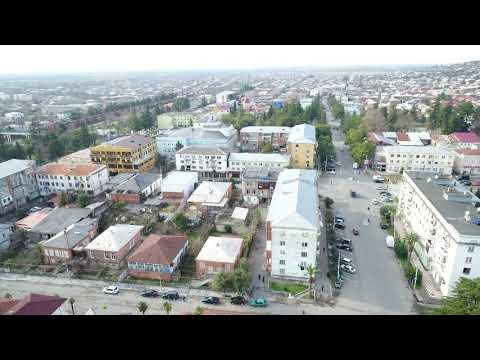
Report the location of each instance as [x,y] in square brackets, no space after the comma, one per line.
[6,231]
[467,161]
[208,162]
[176,120]
[293,224]
[445,222]
[133,153]
[464,139]
[253,137]
[18,184]
[418,158]
[224,97]
[78,157]
[59,177]
[137,188]
[205,136]
[258,184]
[301,146]
[237,162]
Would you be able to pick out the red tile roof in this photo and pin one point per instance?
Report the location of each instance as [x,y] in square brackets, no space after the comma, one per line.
[471,152]
[37,304]
[69,169]
[402,136]
[31,220]
[465,137]
[158,249]
[7,304]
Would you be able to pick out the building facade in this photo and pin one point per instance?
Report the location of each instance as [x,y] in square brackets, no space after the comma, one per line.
[444,220]
[176,120]
[205,161]
[218,254]
[467,161]
[258,184]
[252,138]
[418,158]
[133,153]
[238,162]
[301,146]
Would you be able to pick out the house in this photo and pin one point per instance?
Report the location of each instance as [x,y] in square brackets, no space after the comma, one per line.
[211,196]
[178,185]
[301,146]
[238,162]
[29,222]
[445,221]
[467,161]
[61,247]
[18,184]
[158,257]
[218,254]
[418,158]
[62,177]
[6,231]
[113,245]
[137,188]
[34,304]
[258,184]
[208,162]
[132,153]
[97,208]
[253,137]
[464,139]
[57,220]
[293,225]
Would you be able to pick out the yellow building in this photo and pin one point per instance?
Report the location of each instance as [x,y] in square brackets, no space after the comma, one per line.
[132,153]
[301,146]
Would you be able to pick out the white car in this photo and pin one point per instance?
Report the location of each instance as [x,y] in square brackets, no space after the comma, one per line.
[339,164]
[374,202]
[331,172]
[348,268]
[346,261]
[110,290]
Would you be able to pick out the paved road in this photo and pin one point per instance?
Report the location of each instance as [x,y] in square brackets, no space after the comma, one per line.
[379,283]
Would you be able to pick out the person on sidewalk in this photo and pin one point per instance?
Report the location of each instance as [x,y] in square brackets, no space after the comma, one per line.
[258,276]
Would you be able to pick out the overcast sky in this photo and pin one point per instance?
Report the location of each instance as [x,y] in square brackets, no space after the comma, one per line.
[90,58]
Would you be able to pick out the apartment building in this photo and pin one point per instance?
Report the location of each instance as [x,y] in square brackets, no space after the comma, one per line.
[293,224]
[176,120]
[464,139]
[301,146]
[445,221]
[238,162]
[467,161]
[133,153]
[18,184]
[208,162]
[60,177]
[253,137]
[258,184]
[418,158]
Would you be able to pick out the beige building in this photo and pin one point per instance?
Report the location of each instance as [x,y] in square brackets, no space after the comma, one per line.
[301,146]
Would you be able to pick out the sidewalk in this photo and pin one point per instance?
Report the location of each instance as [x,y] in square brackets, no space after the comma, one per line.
[323,285]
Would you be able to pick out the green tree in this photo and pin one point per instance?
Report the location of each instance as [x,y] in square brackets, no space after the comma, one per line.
[83,200]
[392,118]
[118,207]
[410,239]
[387,211]
[465,299]
[362,151]
[267,148]
[181,104]
[228,229]
[167,307]
[311,278]
[180,221]
[63,199]
[8,296]
[178,146]
[142,307]
[328,202]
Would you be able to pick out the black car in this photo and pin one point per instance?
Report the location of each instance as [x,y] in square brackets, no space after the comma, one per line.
[344,247]
[340,226]
[463,177]
[170,295]
[212,300]
[383,226]
[466,182]
[150,293]
[238,300]
[339,219]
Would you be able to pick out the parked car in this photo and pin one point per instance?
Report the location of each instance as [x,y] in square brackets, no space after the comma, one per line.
[344,247]
[170,295]
[150,293]
[374,202]
[338,283]
[381,188]
[383,226]
[258,302]
[384,193]
[348,268]
[339,164]
[211,300]
[331,172]
[355,231]
[340,226]
[113,290]
[353,193]
[462,177]
[346,261]
[339,219]
[466,183]
[34,209]
[238,300]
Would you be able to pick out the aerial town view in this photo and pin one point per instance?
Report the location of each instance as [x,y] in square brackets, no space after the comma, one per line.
[304,184]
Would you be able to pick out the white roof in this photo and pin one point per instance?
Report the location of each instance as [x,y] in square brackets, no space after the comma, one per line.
[259,157]
[14,166]
[416,150]
[295,200]
[114,238]
[266,129]
[210,192]
[178,181]
[302,134]
[240,213]
[221,249]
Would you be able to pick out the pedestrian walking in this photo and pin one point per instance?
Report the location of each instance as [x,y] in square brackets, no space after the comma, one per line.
[303,312]
[322,288]
[368,208]
[184,297]
[323,249]
[258,276]
[263,279]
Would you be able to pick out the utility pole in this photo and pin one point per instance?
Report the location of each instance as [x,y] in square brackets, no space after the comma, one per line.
[68,247]
[415,281]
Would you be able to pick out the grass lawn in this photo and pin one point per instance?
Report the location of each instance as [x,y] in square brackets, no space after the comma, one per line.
[292,288]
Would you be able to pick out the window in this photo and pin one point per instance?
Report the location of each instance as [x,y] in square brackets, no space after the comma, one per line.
[466,271]
[282,243]
[304,244]
[105,255]
[304,254]
[282,271]
[282,252]
[468,260]
[282,262]
[112,256]
[471,248]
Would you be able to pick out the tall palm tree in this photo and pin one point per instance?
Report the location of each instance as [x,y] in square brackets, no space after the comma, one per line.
[167,307]
[410,239]
[142,307]
[311,278]
[71,301]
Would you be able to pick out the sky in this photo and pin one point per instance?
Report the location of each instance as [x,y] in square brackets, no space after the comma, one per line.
[28,59]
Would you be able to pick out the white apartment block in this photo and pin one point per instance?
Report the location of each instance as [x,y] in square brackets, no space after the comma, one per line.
[293,225]
[418,158]
[60,177]
[444,220]
[193,158]
[176,120]
[467,161]
[237,162]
